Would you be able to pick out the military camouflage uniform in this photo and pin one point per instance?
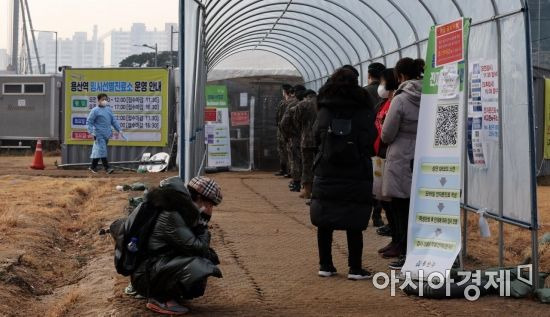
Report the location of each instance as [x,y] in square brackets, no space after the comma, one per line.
[281,143]
[292,138]
[305,116]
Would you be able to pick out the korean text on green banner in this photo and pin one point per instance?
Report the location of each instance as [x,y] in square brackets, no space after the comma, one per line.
[434,234]
[217,126]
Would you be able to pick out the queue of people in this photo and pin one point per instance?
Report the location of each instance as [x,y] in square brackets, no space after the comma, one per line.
[327,145]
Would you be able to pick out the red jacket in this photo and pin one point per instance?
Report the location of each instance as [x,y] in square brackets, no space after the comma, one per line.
[379,146]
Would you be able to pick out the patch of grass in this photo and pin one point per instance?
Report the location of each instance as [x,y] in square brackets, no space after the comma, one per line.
[9,219]
[64,305]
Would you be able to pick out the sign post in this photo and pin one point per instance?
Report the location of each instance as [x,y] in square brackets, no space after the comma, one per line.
[434,234]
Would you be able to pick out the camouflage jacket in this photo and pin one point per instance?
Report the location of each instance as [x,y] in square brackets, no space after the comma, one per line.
[305,116]
[288,126]
[281,108]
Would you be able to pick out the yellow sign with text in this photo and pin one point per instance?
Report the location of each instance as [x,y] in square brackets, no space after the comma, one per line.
[138,98]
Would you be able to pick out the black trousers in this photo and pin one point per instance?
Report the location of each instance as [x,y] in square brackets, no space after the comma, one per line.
[376,209]
[355,247]
[103,161]
[400,210]
[386,205]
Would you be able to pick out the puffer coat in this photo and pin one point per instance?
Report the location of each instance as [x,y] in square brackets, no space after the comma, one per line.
[399,132]
[340,196]
[180,258]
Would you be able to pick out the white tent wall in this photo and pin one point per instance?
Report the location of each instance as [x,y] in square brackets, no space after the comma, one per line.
[317,37]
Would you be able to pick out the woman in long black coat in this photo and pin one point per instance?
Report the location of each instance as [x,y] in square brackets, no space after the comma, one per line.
[342,187]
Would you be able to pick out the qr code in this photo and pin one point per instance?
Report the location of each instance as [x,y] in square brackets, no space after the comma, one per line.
[446,126]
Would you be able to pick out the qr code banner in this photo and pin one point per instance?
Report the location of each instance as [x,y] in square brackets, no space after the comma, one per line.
[446,126]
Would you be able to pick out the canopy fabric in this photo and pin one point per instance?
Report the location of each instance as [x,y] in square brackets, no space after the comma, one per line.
[319,36]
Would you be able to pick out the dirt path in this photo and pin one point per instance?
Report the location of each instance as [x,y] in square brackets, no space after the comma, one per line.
[261,232]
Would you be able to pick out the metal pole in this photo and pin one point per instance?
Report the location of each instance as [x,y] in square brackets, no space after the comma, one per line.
[32,34]
[181,55]
[156,162]
[55,71]
[192,111]
[171,45]
[500,148]
[465,164]
[15,35]
[532,154]
[251,134]
[156,54]
[26,36]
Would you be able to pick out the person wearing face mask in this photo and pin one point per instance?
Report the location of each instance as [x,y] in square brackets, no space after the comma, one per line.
[99,121]
[374,76]
[386,89]
[179,258]
[399,132]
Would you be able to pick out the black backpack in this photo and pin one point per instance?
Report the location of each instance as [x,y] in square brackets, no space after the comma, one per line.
[340,145]
[131,237]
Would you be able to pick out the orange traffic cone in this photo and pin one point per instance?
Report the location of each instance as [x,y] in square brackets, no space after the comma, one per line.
[38,163]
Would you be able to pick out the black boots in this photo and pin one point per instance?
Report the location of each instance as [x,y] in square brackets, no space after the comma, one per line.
[295,186]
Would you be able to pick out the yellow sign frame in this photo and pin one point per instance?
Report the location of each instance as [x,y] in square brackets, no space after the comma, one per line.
[123,75]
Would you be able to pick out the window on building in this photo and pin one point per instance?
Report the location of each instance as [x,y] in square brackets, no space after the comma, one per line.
[34,89]
[13,89]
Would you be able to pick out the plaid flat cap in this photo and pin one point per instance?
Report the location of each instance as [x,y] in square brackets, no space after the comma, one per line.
[207,187]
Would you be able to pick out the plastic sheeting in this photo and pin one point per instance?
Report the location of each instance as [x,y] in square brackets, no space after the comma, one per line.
[252,64]
[317,37]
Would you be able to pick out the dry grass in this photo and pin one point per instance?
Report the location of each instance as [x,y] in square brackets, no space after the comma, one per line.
[517,241]
[54,222]
[64,305]
[8,219]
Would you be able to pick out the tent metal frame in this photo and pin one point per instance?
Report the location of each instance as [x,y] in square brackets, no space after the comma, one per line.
[256,28]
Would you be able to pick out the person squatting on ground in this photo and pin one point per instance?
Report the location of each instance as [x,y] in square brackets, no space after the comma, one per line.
[281,144]
[292,135]
[99,122]
[374,72]
[344,132]
[386,89]
[304,116]
[180,258]
[399,132]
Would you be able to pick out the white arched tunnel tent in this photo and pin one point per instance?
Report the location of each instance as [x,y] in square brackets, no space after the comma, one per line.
[317,37]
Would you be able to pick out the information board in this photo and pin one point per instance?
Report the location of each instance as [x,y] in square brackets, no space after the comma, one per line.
[137,97]
[434,232]
[217,126]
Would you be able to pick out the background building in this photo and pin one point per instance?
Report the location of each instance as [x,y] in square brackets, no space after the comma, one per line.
[123,43]
[4,59]
[78,51]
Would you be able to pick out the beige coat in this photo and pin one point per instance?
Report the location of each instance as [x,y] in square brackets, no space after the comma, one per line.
[399,132]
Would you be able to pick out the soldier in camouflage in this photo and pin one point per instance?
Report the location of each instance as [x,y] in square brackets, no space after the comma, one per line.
[281,143]
[292,135]
[305,116]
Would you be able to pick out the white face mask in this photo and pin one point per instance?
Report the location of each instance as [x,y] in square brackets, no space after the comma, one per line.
[103,103]
[382,92]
